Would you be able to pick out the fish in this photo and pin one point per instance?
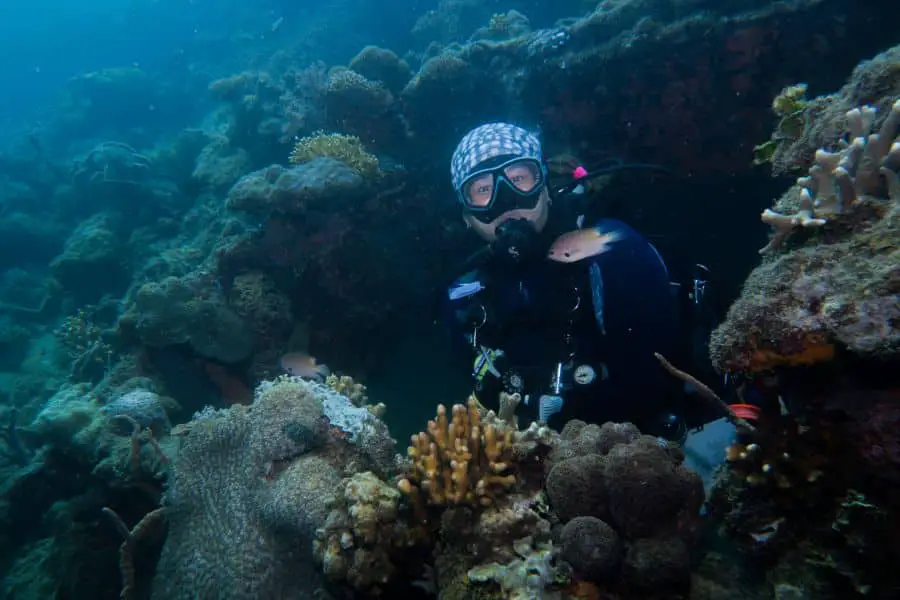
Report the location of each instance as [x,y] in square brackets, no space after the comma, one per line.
[301,364]
[582,243]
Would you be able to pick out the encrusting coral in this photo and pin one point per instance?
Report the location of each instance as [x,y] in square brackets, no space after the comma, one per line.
[459,460]
[362,535]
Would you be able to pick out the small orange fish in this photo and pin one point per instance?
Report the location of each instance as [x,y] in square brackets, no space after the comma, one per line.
[582,243]
[301,364]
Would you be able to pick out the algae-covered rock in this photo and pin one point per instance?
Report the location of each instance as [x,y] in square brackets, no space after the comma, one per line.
[316,184]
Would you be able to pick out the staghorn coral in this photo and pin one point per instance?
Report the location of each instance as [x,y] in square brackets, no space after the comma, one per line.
[874,82]
[346,148]
[78,333]
[459,461]
[477,500]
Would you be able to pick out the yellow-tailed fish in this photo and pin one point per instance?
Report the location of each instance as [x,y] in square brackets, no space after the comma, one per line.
[582,243]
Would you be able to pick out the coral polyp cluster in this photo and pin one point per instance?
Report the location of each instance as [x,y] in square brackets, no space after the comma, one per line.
[458,460]
[362,535]
[346,148]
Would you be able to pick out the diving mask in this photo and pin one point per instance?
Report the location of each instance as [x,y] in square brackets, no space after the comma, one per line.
[503,184]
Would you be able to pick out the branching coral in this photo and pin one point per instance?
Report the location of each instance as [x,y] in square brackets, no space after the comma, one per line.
[459,460]
[355,392]
[837,179]
[345,148]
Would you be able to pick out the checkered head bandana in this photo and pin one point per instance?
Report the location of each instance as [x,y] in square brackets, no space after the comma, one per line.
[489,141]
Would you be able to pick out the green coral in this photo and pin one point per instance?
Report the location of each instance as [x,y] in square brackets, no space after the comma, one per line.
[346,148]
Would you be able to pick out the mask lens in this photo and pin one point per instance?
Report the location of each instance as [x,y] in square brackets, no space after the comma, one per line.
[479,190]
[524,175]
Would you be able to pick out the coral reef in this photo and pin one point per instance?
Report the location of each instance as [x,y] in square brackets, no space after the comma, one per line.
[837,288]
[355,392]
[313,184]
[93,261]
[806,494]
[111,219]
[184,310]
[838,179]
[789,106]
[381,64]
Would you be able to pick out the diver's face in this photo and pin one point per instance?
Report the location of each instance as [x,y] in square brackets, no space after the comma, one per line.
[537,216]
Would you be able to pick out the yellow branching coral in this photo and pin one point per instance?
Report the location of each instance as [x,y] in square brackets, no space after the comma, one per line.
[459,460]
[355,392]
[346,148]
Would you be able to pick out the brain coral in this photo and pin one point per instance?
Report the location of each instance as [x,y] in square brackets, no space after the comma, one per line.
[248,490]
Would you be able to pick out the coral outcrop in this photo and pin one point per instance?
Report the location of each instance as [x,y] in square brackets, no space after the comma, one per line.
[94,260]
[347,149]
[629,505]
[364,537]
[837,287]
[185,310]
[313,184]
[251,486]
[381,64]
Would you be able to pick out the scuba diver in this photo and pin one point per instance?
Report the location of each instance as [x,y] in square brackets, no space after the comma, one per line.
[568,314]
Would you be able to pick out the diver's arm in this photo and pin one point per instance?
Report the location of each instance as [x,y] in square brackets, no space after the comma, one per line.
[470,316]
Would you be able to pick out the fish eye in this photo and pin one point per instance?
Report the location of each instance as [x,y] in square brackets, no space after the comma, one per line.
[567,254]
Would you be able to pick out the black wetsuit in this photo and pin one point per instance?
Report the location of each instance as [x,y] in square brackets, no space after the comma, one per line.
[551,319]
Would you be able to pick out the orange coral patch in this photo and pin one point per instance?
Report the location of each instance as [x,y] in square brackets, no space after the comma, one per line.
[813,352]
